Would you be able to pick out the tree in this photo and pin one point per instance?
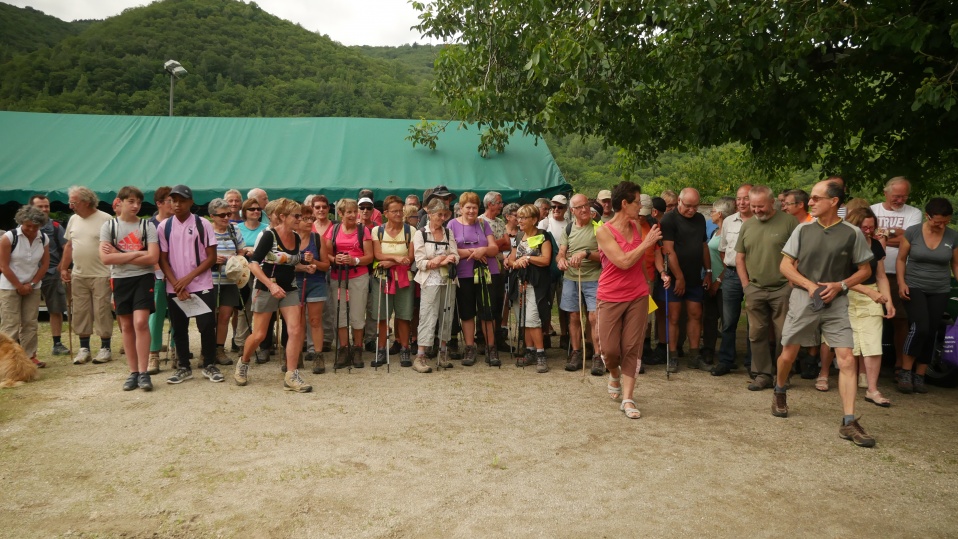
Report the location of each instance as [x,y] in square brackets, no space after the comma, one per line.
[864,89]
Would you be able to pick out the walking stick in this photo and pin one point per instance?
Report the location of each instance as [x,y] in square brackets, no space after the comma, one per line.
[70,315]
[582,322]
[339,296]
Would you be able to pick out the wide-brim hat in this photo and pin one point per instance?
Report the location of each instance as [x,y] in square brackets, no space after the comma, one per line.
[646,201]
[441,191]
[237,270]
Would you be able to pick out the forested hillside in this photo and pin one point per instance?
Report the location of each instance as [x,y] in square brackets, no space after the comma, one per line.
[26,29]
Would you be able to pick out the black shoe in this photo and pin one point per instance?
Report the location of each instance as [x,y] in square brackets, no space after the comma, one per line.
[721,369]
[657,357]
[454,350]
[395,348]
[327,347]
[131,381]
[598,366]
[370,346]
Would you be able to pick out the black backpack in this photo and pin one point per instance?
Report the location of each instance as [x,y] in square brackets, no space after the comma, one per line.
[196,244]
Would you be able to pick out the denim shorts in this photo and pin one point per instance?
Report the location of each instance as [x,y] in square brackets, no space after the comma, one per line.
[569,302]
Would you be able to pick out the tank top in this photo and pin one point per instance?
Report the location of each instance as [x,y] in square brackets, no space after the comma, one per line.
[620,285]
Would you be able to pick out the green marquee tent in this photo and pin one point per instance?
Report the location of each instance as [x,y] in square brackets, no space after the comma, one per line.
[291,157]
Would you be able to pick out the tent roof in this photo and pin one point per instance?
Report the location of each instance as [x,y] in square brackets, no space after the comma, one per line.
[291,157]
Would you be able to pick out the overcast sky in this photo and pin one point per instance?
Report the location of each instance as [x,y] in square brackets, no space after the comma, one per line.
[350,22]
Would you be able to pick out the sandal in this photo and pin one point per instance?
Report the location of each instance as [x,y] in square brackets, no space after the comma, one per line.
[631,413]
[877,399]
[821,383]
[615,391]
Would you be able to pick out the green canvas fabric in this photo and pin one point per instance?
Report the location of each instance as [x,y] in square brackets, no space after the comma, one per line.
[289,157]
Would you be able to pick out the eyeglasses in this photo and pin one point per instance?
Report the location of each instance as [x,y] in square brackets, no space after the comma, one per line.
[816,198]
[309,219]
[579,207]
[220,215]
[254,209]
[789,203]
[297,216]
[319,207]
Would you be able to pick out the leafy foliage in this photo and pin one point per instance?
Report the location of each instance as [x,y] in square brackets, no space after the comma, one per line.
[28,29]
[866,90]
[241,60]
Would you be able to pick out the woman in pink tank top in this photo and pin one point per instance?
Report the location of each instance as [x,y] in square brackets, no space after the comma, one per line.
[623,295]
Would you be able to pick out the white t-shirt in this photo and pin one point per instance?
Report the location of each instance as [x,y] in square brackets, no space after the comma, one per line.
[556,228]
[899,220]
[83,233]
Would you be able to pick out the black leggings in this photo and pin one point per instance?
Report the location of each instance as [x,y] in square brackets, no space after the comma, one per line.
[924,318]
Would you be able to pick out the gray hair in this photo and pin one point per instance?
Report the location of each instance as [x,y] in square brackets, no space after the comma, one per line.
[510,208]
[32,214]
[85,194]
[436,205]
[233,192]
[490,198]
[541,201]
[216,205]
[896,180]
[725,206]
[759,190]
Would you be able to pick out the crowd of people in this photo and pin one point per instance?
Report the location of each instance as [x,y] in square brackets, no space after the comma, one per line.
[461,277]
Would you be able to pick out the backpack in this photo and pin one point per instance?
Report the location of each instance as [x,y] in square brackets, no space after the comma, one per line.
[554,271]
[359,235]
[16,239]
[113,224]
[407,231]
[196,243]
[231,229]
[56,235]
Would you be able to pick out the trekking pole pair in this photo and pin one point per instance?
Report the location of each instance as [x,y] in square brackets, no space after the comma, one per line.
[341,269]
[383,281]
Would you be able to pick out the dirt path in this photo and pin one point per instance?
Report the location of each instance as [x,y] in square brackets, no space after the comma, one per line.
[471,452]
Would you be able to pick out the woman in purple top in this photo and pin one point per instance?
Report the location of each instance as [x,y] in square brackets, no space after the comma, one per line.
[477,255]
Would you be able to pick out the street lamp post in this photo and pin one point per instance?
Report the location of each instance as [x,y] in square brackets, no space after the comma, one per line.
[176,71]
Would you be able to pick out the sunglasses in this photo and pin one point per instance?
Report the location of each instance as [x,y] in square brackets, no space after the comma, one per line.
[255,209]
[222,215]
[320,207]
[365,208]
[558,208]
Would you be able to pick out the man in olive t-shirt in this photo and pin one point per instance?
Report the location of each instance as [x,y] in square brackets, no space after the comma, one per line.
[757,260]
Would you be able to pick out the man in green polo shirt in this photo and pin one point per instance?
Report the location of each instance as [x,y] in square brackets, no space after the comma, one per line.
[758,255]
[818,261]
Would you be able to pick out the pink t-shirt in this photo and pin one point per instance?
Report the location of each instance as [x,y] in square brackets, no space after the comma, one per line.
[182,256]
[349,244]
[619,285]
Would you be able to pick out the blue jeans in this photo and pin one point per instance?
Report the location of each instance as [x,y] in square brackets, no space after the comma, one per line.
[732,296]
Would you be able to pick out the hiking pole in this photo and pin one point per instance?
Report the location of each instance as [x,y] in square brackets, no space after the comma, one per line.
[387,320]
[349,368]
[582,322]
[379,304]
[447,312]
[486,299]
[339,292]
[520,329]
[668,342]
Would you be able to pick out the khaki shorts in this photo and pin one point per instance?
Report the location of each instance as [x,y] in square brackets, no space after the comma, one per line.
[802,323]
[866,319]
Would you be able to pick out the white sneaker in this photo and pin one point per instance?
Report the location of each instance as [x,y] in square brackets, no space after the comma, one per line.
[102,356]
[82,357]
[862,380]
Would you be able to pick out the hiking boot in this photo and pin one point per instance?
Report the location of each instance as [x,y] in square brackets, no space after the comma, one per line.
[221,357]
[358,357]
[541,365]
[442,360]
[469,359]
[60,350]
[854,432]
[672,365]
[575,361]
[241,373]
[262,356]
[405,359]
[905,384]
[598,366]
[380,360]
[527,359]
[492,357]
[144,382]
[131,381]
[696,362]
[319,363]
[103,355]
[294,382]
[918,383]
[344,358]
[452,348]
[762,381]
[420,365]
[182,374]
[212,374]
[779,405]
[722,369]
[153,365]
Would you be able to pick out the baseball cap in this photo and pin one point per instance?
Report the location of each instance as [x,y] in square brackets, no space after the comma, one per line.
[659,204]
[604,194]
[183,191]
[561,200]
[646,201]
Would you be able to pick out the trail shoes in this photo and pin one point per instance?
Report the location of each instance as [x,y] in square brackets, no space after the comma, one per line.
[131,381]
[103,356]
[470,356]
[82,356]
[262,356]
[672,365]
[854,432]
[294,382]
[144,382]
[420,365]
[241,373]
[541,365]
[905,384]
[492,357]
[212,374]
[762,381]
[779,405]
[380,360]
[319,363]
[598,366]
[358,357]
[181,375]
[405,359]
[60,350]
[153,366]
[575,361]
[221,357]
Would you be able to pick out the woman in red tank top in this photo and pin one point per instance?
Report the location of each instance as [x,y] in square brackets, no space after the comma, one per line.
[623,295]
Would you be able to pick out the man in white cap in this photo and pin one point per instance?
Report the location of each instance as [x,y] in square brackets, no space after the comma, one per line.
[555,223]
[605,198]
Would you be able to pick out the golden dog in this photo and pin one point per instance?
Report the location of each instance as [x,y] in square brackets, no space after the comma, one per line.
[15,367]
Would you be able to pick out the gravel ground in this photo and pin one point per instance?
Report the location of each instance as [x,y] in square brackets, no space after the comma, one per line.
[470,452]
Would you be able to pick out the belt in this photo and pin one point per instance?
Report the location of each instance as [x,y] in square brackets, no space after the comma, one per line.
[729,267]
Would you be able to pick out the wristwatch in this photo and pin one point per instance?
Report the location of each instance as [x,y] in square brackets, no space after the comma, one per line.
[588,253]
[844,286]
[708,271]
[891,231]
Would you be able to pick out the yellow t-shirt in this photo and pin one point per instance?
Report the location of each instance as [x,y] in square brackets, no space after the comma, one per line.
[84,235]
